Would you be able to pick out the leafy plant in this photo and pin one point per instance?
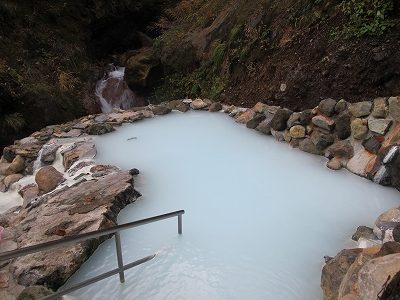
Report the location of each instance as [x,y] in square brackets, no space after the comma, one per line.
[367,17]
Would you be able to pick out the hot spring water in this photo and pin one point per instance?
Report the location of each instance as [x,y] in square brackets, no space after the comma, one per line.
[259,216]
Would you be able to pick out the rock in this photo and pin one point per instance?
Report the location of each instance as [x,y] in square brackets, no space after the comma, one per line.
[343,125]
[379,126]
[260,107]
[73,133]
[341,106]
[358,129]
[160,110]
[297,132]
[392,137]
[386,222]
[89,206]
[178,105]
[264,127]
[255,121]
[11,179]
[379,108]
[334,164]
[215,106]
[29,192]
[102,118]
[48,178]
[307,145]
[245,117]
[363,232]
[80,150]
[8,154]
[396,233]
[17,165]
[3,187]
[342,149]
[198,104]
[35,292]
[383,176]
[360,109]
[327,107]
[323,122]
[359,162]
[141,65]
[5,169]
[99,129]
[306,117]
[294,119]
[278,135]
[49,152]
[279,120]
[373,144]
[394,108]
[375,273]
[321,140]
[335,270]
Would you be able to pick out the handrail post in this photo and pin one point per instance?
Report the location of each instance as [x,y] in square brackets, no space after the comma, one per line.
[179,224]
[119,257]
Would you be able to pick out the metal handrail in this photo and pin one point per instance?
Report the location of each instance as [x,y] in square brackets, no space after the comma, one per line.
[95,234]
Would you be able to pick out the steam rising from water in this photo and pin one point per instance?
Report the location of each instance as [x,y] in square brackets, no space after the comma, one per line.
[259,216]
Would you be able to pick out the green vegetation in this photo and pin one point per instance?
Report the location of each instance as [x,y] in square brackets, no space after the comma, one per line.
[367,17]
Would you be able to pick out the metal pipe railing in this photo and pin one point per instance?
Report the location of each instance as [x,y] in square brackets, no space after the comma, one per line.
[95,234]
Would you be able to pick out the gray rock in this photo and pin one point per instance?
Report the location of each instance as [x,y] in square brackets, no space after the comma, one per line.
[363,232]
[306,117]
[379,126]
[360,109]
[17,165]
[278,135]
[342,127]
[380,108]
[323,122]
[264,127]
[279,121]
[8,154]
[49,153]
[386,222]
[341,106]
[307,145]
[178,105]
[255,121]
[327,107]
[358,129]
[321,140]
[99,129]
[294,119]
[394,108]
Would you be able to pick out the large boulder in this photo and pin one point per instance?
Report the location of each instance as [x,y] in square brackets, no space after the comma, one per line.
[87,207]
[376,273]
[335,270]
[48,178]
[279,121]
[360,109]
[327,107]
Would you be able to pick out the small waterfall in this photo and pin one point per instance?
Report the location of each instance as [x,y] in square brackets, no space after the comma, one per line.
[113,91]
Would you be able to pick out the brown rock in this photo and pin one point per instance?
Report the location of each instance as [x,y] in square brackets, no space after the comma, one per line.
[198,104]
[80,151]
[394,108]
[307,145]
[245,117]
[178,105]
[260,107]
[215,106]
[342,149]
[359,162]
[160,110]
[11,179]
[334,271]
[297,132]
[254,122]
[379,108]
[48,178]
[280,118]
[360,109]
[334,164]
[327,106]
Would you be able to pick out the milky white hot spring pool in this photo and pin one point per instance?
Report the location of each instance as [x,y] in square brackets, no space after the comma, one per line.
[259,219]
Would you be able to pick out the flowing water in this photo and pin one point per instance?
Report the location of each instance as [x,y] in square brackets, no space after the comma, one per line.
[259,219]
[113,92]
